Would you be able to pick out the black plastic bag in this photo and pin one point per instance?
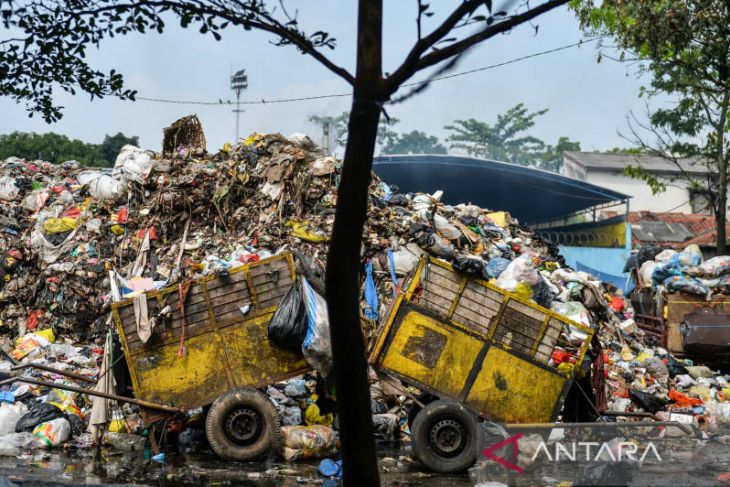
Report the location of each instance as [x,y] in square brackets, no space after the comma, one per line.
[631,263]
[649,402]
[646,252]
[471,267]
[288,326]
[675,367]
[37,414]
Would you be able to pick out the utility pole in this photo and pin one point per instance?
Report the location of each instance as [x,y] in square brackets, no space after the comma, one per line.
[326,137]
[239,82]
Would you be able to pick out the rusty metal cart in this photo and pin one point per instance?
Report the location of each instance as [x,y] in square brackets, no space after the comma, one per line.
[476,350]
[214,350]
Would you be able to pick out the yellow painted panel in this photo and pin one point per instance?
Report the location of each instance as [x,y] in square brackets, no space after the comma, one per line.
[425,350]
[195,379]
[254,359]
[512,390]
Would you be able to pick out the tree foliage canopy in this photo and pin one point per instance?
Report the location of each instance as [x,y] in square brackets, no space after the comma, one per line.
[506,140]
[684,46]
[58,148]
[414,142]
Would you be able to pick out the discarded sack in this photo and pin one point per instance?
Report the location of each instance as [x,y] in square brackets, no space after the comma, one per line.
[54,432]
[317,347]
[288,326]
[308,442]
[38,413]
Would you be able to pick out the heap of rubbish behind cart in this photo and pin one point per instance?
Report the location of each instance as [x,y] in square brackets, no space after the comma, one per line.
[667,270]
[74,239]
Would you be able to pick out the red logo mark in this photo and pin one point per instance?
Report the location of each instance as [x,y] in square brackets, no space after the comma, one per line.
[502,461]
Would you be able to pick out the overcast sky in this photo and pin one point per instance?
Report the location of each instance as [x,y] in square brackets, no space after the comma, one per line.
[587,101]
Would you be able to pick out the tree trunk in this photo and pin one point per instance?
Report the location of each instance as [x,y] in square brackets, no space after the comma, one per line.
[720,214]
[343,263]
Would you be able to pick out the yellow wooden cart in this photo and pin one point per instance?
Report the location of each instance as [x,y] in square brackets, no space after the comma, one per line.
[476,350]
[214,350]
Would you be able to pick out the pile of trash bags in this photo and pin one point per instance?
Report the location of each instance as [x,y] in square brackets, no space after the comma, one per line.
[666,270]
[73,240]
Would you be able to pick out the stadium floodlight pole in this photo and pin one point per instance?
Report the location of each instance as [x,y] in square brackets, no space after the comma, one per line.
[239,82]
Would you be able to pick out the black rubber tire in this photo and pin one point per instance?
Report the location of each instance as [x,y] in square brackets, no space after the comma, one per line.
[243,425]
[438,424]
[425,398]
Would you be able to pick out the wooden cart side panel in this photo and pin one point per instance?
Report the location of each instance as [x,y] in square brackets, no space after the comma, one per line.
[504,339]
[226,342]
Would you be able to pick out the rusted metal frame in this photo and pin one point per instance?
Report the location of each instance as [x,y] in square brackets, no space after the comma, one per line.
[457,298]
[79,390]
[540,335]
[52,370]
[216,334]
[127,352]
[415,278]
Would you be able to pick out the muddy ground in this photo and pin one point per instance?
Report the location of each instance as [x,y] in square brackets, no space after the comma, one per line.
[48,468]
[689,463]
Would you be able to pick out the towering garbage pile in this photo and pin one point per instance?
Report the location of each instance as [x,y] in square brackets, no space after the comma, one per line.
[73,239]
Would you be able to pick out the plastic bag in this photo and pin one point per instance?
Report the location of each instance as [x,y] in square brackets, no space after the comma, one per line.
[406,258]
[288,326]
[675,368]
[686,259]
[649,402]
[11,445]
[444,228]
[38,413]
[54,432]
[133,164]
[496,266]
[28,343]
[646,272]
[686,284]
[59,225]
[716,267]
[519,270]
[8,190]
[665,255]
[372,311]
[307,442]
[663,271]
[317,346]
[10,414]
[572,310]
[471,267]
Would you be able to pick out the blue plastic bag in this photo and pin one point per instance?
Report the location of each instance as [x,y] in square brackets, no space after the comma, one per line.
[371,294]
[496,266]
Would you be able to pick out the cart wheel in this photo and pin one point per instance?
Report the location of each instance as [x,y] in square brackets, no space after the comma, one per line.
[444,437]
[414,409]
[242,425]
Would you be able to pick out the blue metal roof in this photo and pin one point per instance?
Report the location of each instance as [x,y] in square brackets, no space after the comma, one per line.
[532,195]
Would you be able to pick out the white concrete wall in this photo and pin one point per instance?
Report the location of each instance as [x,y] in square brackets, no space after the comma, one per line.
[674,199]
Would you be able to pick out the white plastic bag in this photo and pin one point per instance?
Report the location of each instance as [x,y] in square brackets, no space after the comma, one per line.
[317,347]
[103,187]
[54,432]
[8,190]
[406,258]
[519,270]
[133,164]
[645,273]
[9,416]
[12,444]
[445,228]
